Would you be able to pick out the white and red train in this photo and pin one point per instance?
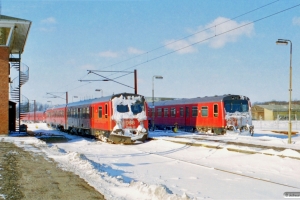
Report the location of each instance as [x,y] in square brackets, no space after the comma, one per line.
[215,114]
[120,118]
[34,117]
[124,118]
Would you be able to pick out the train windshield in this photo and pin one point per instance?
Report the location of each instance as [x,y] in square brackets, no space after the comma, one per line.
[136,108]
[232,106]
[122,108]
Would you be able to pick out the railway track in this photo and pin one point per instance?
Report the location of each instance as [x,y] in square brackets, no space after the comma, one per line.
[162,154]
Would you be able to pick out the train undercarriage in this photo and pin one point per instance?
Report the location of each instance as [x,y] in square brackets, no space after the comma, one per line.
[122,136]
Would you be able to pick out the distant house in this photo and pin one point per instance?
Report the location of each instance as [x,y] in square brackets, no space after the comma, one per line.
[274,112]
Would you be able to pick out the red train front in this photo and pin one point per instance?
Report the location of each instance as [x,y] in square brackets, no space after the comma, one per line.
[214,114]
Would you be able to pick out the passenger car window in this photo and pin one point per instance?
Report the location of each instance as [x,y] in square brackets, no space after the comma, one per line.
[204,111]
[194,111]
[216,111]
[100,112]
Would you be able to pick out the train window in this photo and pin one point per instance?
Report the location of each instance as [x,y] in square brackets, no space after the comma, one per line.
[187,112]
[166,112]
[173,112]
[106,110]
[194,111]
[216,111]
[204,111]
[236,106]
[100,112]
[137,108]
[181,112]
[159,112]
[244,107]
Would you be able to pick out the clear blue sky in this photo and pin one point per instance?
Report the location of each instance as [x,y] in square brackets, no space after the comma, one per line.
[67,38]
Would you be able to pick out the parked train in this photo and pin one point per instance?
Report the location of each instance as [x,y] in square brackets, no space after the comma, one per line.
[34,117]
[215,114]
[120,118]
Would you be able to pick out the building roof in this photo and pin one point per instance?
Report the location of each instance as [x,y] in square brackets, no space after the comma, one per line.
[280,108]
[20,32]
[215,98]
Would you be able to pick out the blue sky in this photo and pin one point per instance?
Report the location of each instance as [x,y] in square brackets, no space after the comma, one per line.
[67,38]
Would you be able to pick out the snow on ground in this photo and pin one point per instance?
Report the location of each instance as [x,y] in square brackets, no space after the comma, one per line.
[190,166]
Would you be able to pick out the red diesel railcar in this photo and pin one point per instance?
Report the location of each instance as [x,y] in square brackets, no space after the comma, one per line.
[216,114]
[120,118]
[31,117]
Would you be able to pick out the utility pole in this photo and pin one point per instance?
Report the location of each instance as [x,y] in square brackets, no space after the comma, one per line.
[135,82]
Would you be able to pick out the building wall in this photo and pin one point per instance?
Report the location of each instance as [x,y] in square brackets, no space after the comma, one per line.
[257,113]
[4,73]
[268,114]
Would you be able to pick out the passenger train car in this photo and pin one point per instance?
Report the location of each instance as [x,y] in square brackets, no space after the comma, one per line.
[31,117]
[215,114]
[120,118]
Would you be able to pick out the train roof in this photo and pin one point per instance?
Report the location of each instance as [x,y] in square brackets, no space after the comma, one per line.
[91,101]
[200,100]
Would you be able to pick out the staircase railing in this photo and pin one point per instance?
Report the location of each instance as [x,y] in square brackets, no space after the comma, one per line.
[15,88]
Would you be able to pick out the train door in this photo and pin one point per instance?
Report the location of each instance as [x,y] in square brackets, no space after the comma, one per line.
[187,116]
[91,117]
[79,120]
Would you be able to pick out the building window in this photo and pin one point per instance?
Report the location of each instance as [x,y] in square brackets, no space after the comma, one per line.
[166,110]
[216,111]
[159,112]
[204,111]
[173,112]
[194,111]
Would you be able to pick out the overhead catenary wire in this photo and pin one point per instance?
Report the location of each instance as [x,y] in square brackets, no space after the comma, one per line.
[163,46]
[216,35]
[200,41]
[214,26]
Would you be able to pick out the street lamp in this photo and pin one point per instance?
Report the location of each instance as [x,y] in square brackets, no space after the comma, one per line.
[98,90]
[285,42]
[153,109]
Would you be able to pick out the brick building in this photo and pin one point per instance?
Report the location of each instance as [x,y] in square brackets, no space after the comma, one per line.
[13,35]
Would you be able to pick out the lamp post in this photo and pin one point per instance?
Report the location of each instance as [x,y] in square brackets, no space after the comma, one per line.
[50,102]
[285,42]
[74,97]
[98,90]
[153,109]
